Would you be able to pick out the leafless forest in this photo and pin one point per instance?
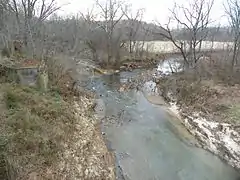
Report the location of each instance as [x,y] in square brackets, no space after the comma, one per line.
[111,31]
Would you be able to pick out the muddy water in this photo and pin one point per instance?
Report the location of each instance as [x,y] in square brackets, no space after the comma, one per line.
[149,143]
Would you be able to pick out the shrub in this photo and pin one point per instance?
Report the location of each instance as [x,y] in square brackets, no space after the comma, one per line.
[6,52]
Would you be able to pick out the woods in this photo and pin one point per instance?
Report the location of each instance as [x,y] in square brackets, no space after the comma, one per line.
[112,31]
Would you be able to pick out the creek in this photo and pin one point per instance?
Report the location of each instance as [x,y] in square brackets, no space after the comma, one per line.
[149,143]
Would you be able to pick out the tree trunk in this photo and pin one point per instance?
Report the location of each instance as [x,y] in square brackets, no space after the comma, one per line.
[25,34]
[234,54]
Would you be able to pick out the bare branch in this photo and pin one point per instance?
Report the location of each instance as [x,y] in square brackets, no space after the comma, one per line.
[195,23]
[232,9]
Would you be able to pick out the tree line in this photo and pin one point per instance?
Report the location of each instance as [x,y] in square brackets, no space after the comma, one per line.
[111,29]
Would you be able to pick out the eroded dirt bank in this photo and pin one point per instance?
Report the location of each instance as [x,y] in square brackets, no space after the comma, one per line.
[208,110]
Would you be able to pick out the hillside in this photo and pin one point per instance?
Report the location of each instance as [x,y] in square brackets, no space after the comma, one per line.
[44,136]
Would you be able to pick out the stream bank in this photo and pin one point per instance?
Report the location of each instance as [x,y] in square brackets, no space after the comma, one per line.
[48,136]
[219,138]
[148,142]
[205,109]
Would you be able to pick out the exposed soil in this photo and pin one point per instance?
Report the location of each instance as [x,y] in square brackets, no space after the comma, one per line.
[209,110]
[216,101]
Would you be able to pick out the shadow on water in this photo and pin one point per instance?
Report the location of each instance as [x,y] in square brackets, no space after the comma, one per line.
[150,144]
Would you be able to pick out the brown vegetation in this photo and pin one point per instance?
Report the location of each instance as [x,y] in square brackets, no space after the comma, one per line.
[42,136]
[39,133]
[212,89]
[50,134]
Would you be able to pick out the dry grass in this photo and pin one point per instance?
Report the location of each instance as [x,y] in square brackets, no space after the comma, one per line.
[215,94]
[234,113]
[188,91]
[51,135]
[34,127]
[57,73]
[45,137]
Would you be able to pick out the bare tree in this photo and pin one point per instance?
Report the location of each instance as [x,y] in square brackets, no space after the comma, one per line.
[232,9]
[194,20]
[140,46]
[133,26]
[5,12]
[111,13]
[34,13]
[103,32]
[92,35]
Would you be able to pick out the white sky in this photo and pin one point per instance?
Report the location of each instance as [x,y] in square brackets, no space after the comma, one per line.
[154,9]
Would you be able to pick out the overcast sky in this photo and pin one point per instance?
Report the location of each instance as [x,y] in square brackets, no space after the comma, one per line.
[154,9]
